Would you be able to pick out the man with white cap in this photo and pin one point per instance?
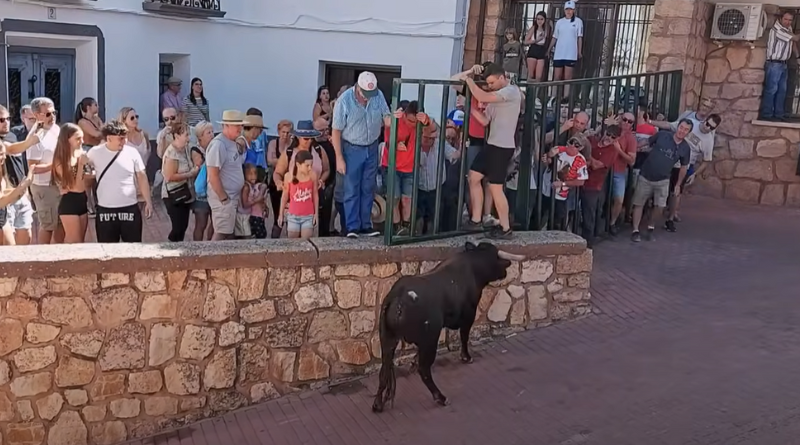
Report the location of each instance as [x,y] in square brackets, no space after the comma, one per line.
[172,96]
[358,120]
[224,163]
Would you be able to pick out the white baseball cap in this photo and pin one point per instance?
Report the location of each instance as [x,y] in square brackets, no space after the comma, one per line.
[368,84]
[569,5]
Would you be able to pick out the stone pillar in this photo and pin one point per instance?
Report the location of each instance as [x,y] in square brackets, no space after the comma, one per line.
[678,42]
[493,26]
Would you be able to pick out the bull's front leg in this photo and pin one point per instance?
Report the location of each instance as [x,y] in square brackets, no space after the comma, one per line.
[466,357]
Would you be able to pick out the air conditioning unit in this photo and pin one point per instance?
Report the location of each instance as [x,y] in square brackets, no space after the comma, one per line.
[734,21]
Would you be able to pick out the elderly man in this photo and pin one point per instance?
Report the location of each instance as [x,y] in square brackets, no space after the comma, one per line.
[28,119]
[224,161]
[46,195]
[171,98]
[358,120]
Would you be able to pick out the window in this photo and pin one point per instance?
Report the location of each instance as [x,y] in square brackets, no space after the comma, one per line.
[165,71]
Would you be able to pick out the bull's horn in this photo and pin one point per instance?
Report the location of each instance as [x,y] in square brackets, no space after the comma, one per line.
[510,256]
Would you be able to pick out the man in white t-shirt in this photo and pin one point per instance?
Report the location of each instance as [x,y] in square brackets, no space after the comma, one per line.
[118,169]
[46,196]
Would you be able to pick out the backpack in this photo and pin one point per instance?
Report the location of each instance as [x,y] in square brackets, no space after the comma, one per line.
[201,182]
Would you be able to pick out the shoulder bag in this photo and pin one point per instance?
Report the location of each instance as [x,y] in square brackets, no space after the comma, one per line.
[182,193]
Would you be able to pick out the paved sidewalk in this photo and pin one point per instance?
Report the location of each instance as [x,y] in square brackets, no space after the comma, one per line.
[695,341]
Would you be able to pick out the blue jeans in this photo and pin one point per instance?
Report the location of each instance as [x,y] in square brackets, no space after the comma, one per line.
[774,96]
[359,184]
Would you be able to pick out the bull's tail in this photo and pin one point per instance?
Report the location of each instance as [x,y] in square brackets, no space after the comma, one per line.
[389,341]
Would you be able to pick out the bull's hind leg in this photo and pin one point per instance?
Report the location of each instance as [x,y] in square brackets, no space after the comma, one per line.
[427,355]
[466,357]
[386,377]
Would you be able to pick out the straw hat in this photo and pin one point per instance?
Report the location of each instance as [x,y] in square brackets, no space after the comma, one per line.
[232,117]
[253,121]
[378,210]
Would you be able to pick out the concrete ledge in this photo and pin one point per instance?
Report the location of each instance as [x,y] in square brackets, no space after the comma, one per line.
[55,260]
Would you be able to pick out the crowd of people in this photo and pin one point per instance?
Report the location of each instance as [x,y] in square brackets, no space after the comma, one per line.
[337,164]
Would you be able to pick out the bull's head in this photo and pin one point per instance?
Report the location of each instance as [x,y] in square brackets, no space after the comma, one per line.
[491,262]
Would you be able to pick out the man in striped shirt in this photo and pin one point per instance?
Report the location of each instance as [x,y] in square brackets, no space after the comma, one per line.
[780,45]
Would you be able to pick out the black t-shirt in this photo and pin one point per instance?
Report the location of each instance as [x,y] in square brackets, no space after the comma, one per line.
[16,165]
[21,132]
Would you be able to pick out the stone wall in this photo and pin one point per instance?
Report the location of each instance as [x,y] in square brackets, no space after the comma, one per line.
[752,163]
[678,42]
[103,343]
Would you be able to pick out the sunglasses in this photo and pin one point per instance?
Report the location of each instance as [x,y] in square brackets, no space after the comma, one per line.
[134,117]
[627,121]
[710,125]
[50,114]
[3,120]
[574,143]
[170,118]
[248,128]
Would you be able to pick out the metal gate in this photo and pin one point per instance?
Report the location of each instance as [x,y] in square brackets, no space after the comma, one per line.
[616,33]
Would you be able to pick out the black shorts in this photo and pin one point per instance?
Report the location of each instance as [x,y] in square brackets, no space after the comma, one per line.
[73,203]
[118,224]
[492,162]
[561,63]
[673,179]
[538,52]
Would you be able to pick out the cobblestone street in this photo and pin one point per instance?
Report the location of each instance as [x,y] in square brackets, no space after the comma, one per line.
[694,341]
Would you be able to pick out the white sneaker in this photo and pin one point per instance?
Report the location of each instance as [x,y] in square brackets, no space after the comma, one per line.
[489,221]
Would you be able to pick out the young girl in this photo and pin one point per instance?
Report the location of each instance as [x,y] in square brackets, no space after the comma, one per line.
[512,53]
[70,164]
[254,195]
[300,191]
[9,195]
[538,38]
[567,41]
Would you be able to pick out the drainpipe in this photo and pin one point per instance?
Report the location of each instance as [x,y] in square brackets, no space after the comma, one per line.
[481,23]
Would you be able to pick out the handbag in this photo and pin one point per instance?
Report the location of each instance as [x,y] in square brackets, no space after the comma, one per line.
[180,194]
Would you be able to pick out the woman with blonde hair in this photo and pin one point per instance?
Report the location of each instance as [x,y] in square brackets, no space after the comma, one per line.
[70,168]
[137,138]
[275,149]
[203,230]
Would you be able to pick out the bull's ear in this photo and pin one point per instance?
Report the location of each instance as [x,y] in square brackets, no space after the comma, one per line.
[469,246]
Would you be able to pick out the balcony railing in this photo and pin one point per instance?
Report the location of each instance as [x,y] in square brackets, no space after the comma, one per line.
[185,8]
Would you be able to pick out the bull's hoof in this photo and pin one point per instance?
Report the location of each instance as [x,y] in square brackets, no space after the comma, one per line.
[377,407]
[441,400]
[466,359]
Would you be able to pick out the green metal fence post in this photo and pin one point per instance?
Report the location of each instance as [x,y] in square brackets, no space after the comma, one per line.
[440,159]
[388,235]
[417,147]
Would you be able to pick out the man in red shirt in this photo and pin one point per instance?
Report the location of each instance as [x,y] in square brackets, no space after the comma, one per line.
[605,153]
[404,163]
[626,157]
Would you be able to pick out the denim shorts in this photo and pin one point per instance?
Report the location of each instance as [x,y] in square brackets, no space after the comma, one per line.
[20,214]
[618,184]
[403,183]
[299,223]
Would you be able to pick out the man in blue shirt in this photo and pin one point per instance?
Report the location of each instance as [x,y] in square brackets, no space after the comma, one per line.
[257,151]
[358,120]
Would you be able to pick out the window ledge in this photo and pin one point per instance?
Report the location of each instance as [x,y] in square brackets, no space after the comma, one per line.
[180,10]
[794,125]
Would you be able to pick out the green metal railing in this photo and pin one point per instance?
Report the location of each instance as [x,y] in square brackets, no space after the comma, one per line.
[659,93]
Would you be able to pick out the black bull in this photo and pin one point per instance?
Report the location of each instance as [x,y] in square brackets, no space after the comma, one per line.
[417,308]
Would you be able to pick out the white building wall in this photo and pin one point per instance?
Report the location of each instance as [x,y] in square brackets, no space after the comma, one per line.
[262,54]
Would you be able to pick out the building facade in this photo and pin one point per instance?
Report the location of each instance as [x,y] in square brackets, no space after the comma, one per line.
[271,55]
